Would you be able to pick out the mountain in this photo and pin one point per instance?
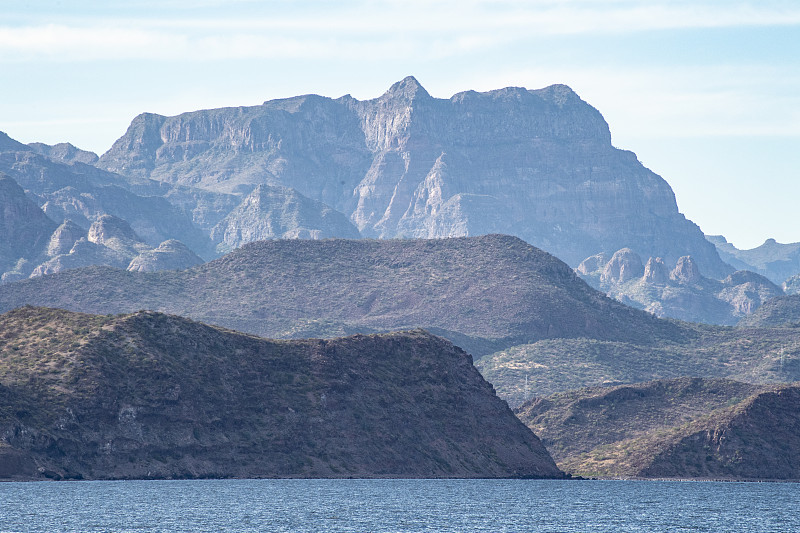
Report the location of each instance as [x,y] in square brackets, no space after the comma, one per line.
[682,428]
[484,293]
[752,355]
[772,259]
[279,213]
[24,228]
[538,164]
[169,255]
[64,152]
[783,311]
[149,395]
[681,291]
[82,193]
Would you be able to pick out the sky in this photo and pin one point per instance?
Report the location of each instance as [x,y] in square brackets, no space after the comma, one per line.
[705,92]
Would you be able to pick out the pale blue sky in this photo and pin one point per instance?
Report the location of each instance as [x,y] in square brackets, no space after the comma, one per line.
[706,92]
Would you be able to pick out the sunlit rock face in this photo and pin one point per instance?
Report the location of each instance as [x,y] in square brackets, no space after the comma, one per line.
[537,164]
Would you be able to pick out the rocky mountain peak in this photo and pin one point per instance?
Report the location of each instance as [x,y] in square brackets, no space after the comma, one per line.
[408,89]
[592,264]
[686,270]
[655,271]
[63,238]
[625,265]
[7,144]
[559,94]
[108,227]
[170,255]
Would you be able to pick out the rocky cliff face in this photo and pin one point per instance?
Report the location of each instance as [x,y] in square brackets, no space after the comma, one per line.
[83,193]
[682,292]
[536,164]
[279,213]
[783,311]
[24,228]
[154,396]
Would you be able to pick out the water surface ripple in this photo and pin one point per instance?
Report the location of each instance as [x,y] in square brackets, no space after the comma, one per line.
[398,506]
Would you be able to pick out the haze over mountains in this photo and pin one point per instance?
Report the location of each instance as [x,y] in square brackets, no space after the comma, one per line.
[400,212]
[538,164]
[535,164]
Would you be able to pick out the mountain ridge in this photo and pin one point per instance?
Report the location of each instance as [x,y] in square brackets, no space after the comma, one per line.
[538,164]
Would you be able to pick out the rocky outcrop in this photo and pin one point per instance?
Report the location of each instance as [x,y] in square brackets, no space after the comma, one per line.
[112,242]
[537,164]
[83,253]
[685,271]
[682,293]
[792,285]
[655,271]
[279,213]
[592,264]
[170,255]
[781,311]
[155,396]
[64,238]
[624,265]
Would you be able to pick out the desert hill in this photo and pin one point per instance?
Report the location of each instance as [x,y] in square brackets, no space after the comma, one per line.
[684,428]
[148,395]
[484,293]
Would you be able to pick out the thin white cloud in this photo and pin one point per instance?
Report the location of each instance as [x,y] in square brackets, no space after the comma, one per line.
[445,28]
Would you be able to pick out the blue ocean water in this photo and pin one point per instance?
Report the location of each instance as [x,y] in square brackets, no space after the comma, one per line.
[398,506]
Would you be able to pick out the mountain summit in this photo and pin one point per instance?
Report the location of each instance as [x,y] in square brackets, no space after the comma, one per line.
[537,164]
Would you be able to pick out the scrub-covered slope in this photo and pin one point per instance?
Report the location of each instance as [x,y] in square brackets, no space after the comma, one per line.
[149,395]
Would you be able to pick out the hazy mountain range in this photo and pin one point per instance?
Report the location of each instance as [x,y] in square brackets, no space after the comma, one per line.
[538,164]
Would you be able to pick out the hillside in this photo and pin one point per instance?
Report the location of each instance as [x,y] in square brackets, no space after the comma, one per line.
[484,293]
[537,164]
[752,355]
[148,395]
[684,428]
[782,311]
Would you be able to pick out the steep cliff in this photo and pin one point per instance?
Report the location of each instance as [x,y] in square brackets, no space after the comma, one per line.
[538,164]
[279,213]
[24,228]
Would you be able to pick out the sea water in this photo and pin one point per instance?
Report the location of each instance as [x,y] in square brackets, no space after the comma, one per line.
[399,505]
